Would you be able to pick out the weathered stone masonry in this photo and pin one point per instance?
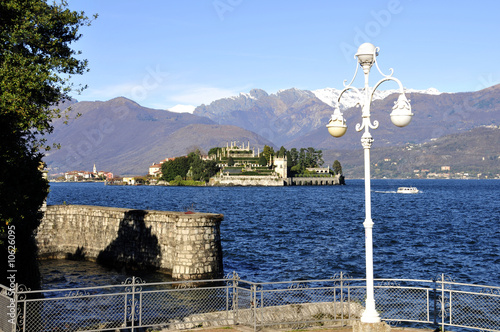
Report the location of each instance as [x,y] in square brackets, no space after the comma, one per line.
[185,245]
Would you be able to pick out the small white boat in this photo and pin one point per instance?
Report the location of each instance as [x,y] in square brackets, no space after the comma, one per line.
[407,190]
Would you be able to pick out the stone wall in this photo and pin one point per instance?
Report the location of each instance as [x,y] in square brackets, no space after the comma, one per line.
[185,245]
[249,180]
[274,181]
[316,181]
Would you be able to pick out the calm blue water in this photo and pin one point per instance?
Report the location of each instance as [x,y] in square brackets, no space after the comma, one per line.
[290,233]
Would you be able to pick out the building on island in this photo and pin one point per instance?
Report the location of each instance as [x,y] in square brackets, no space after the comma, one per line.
[246,169]
[319,170]
[242,165]
[234,150]
[281,166]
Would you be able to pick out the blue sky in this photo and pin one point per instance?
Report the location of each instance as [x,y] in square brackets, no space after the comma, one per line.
[163,53]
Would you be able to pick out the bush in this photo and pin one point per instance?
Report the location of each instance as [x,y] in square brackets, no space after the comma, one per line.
[178,181]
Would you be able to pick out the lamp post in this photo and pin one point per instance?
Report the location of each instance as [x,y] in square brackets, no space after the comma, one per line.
[400,116]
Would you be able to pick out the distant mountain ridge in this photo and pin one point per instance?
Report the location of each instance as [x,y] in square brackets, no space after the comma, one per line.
[297,118]
[123,137]
[279,117]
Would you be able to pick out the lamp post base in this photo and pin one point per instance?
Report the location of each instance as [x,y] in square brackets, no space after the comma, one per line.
[370,327]
[370,315]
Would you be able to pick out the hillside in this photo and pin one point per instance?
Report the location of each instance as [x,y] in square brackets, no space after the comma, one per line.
[123,137]
[473,151]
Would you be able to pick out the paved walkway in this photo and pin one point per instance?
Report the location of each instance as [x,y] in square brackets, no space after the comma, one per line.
[240,328]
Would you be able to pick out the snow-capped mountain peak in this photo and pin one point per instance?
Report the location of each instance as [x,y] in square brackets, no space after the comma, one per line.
[350,98]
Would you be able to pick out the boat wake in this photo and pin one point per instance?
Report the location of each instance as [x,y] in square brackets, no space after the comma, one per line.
[386,192]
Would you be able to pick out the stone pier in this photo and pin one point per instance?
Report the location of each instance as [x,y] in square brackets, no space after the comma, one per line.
[184,244]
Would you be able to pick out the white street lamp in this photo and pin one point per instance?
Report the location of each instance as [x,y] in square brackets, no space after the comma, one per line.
[400,116]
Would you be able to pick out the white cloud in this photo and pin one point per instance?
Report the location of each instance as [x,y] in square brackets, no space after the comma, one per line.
[182,108]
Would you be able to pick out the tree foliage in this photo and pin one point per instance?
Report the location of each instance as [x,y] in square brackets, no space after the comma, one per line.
[292,157]
[214,151]
[191,166]
[337,167]
[268,152]
[299,160]
[202,170]
[210,169]
[176,167]
[36,64]
[262,160]
[282,152]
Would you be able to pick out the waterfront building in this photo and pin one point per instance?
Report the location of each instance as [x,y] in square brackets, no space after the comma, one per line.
[155,170]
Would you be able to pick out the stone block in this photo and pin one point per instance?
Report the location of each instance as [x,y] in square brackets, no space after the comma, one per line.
[359,326]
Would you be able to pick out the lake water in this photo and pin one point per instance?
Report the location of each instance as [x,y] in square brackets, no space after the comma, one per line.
[314,232]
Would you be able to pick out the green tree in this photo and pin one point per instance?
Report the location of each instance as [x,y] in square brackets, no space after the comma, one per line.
[191,166]
[301,161]
[177,167]
[213,151]
[262,160]
[296,169]
[319,157]
[210,169]
[230,161]
[310,157]
[282,152]
[337,167]
[268,152]
[292,157]
[203,170]
[36,62]
[196,167]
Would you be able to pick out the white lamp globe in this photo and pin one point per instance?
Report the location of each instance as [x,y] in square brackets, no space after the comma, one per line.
[401,112]
[366,54]
[337,127]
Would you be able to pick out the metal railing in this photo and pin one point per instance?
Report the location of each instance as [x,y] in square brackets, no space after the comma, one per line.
[138,306]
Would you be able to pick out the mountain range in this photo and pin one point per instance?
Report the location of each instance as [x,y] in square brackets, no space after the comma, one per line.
[125,138]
